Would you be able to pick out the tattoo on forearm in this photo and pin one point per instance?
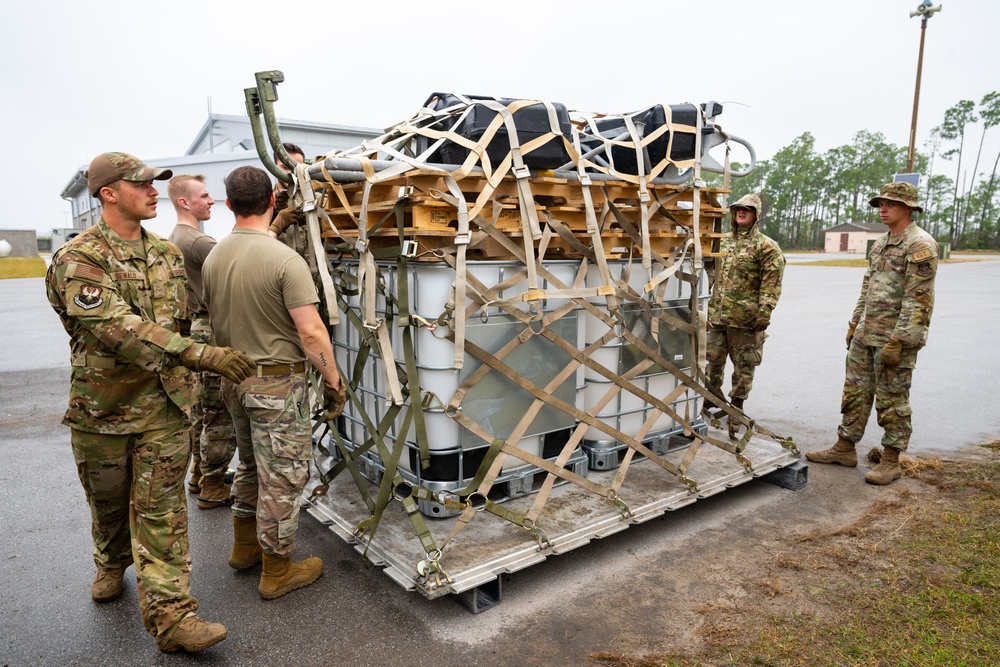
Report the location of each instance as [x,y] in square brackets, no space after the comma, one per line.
[322,359]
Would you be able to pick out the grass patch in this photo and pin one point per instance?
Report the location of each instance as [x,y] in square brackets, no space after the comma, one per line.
[915,581]
[22,267]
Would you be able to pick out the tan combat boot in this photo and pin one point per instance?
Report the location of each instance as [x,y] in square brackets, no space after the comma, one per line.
[194,484]
[282,575]
[214,492]
[843,453]
[246,548]
[107,586]
[194,634]
[887,470]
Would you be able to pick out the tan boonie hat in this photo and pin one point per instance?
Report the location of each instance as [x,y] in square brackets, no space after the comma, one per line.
[107,168]
[900,191]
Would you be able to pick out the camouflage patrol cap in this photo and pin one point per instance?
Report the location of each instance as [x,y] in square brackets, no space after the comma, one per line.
[107,168]
[900,191]
[750,201]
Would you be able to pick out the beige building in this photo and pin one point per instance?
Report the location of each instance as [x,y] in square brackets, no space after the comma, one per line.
[853,236]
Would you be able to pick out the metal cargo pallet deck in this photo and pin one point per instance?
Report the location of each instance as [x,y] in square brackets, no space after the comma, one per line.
[489,547]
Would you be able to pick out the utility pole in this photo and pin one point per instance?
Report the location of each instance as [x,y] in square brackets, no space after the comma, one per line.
[925,11]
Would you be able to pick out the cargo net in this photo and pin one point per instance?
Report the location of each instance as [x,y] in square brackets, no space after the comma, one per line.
[516,297]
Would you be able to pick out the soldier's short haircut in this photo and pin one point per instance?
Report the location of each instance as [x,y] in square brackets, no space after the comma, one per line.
[180,186]
[248,191]
[289,148]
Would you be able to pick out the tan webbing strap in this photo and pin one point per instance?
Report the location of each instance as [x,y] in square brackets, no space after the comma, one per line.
[655,355]
[697,263]
[640,435]
[338,190]
[367,279]
[529,215]
[567,235]
[593,229]
[316,242]
[671,269]
[462,238]
[569,409]
[506,448]
[549,483]
[643,190]
[596,135]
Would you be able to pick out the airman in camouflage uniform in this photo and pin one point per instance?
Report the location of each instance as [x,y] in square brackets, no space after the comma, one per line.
[887,329]
[212,427]
[120,293]
[747,288]
[262,298]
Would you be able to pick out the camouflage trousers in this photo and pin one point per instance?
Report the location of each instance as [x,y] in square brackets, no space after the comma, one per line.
[212,426]
[867,382]
[274,441]
[134,485]
[746,349]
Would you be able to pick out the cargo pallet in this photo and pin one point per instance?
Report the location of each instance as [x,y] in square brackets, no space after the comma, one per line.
[471,570]
[577,253]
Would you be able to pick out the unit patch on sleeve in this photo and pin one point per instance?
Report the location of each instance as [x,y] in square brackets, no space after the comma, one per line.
[924,269]
[90,297]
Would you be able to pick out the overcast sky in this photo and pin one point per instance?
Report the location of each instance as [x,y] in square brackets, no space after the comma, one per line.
[87,77]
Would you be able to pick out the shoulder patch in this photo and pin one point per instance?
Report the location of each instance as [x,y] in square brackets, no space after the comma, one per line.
[90,297]
[922,255]
[924,269]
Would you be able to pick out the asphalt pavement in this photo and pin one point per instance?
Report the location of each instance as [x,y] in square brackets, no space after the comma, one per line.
[356,615]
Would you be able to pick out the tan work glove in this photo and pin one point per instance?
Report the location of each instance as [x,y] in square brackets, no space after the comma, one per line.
[334,400]
[851,326]
[760,322]
[225,361]
[891,353]
[285,219]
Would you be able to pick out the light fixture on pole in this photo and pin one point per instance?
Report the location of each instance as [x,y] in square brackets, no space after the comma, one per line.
[925,11]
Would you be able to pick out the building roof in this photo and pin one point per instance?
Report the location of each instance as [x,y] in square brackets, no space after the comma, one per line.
[283,124]
[873,227]
[79,179]
[239,134]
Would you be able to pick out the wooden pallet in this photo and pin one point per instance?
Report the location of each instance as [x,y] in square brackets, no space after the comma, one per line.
[433,222]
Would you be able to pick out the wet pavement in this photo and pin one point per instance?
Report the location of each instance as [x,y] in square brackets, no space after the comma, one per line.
[356,615]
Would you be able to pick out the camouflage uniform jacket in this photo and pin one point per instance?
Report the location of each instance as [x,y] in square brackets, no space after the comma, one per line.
[121,312]
[748,280]
[897,294]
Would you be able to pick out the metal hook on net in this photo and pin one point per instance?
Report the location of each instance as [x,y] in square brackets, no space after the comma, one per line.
[536,311]
[443,323]
[623,506]
[448,500]
[320,490]
[402,490]
[537,533]
[431,567]
[476,501]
